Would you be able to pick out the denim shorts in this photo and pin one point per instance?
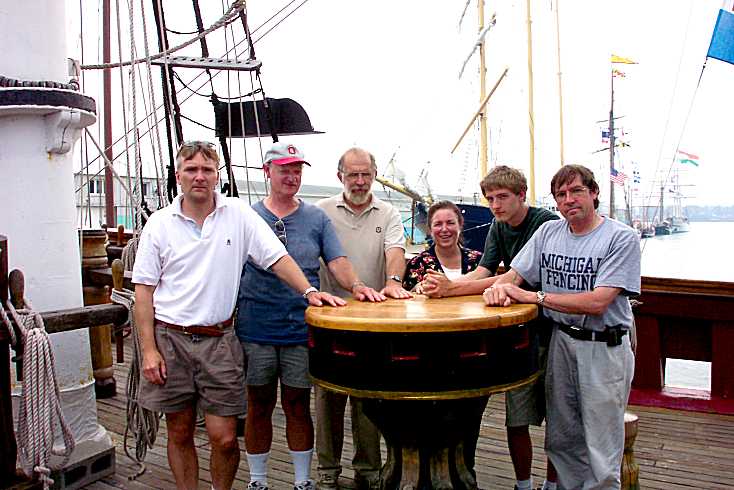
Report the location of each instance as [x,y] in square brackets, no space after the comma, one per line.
[267,363]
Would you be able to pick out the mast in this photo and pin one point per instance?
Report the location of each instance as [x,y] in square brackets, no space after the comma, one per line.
[531,117]
[109,194]
[662,210]
[482,91]
[611,147]
[170,103]
[560,81]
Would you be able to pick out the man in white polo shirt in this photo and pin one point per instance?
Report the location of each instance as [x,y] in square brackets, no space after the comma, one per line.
[186,275]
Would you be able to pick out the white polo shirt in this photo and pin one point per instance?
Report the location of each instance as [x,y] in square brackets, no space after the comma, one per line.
[196,272]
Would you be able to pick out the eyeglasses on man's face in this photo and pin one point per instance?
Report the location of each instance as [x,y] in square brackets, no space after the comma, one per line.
[197,144]
[365,176]
[574,192]
[280,232]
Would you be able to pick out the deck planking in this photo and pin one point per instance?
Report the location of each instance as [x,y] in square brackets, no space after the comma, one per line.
[674,449]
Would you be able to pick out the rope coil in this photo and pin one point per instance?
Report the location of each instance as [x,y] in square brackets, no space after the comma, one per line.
[141,422]
[40,408]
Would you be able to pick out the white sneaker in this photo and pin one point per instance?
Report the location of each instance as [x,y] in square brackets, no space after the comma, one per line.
[305,485]
[257,485]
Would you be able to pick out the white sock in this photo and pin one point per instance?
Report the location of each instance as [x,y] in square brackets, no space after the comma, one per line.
[302,464]
[549,485]
[258,464]
[524,484]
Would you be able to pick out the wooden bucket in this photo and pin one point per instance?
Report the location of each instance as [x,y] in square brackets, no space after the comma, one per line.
[94,256]
[93,248]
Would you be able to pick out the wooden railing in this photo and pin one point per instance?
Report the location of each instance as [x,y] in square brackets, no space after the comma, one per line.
[685,319]
[55,321]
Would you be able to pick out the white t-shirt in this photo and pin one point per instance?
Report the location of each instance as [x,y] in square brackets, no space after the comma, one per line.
[196,272]
[557,261]
[451,273]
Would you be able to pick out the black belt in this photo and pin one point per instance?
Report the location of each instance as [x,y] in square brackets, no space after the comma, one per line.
[584,334]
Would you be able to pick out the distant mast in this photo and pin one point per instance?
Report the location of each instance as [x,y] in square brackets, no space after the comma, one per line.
[482,93]
[560,79]
[531,116]
[611,148]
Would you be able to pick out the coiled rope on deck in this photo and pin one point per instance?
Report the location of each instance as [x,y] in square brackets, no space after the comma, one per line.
[40,408]
[141,422]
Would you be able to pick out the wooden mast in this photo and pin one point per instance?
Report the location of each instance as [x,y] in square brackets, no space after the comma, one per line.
[531,117]
[110,215]
[482,91]
[560,80]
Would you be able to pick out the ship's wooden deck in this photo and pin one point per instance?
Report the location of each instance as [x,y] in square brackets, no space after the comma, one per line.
[674,449]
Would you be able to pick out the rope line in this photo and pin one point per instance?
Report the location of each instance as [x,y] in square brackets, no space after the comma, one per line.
[40,407]
[181,33]
[652,187]
[142,423]
[156,140]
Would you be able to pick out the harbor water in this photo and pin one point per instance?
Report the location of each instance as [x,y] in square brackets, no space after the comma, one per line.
[703,253]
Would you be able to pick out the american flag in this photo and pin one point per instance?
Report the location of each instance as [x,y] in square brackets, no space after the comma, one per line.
[617,177]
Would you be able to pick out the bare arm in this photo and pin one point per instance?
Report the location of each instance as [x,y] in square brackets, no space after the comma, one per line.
[342,270]
[437,285]
[154,367]
[395,266]
[593,302]
[288,271]
[480,272]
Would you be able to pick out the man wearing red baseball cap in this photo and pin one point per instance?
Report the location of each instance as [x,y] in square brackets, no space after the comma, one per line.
[271,323]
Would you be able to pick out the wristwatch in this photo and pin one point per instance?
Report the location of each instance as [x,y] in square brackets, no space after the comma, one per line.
[396,278]
[540,297]
[308,291]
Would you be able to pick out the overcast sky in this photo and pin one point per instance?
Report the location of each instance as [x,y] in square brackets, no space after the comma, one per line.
[384,75]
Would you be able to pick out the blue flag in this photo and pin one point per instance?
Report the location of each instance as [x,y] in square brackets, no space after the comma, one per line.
[722,41]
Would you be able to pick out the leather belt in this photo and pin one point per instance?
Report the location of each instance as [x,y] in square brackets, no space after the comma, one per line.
[216,330]
[584,334]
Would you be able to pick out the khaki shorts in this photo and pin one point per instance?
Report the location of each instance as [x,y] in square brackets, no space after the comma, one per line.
[204,370]
[526,405]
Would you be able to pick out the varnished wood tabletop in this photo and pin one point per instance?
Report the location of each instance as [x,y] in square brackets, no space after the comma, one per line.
[419,314]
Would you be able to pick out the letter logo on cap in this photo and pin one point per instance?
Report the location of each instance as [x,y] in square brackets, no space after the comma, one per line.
[292,150]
